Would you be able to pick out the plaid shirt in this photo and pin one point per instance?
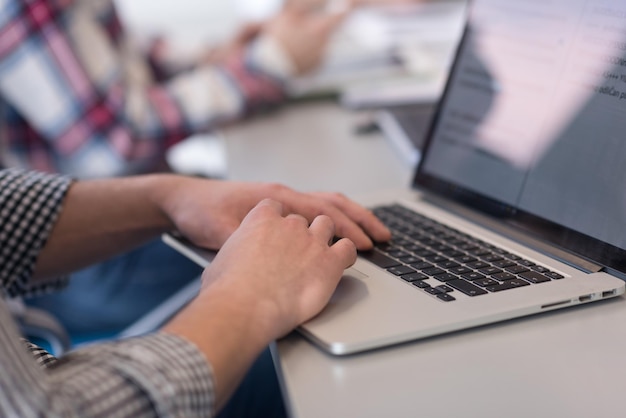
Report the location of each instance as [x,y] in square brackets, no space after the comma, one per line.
[155,375]
[78,96]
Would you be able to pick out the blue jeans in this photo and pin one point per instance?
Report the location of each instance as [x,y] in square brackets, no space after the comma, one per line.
[102,300]
[258,395]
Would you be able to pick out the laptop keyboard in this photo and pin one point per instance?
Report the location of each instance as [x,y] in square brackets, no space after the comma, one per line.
[422,248]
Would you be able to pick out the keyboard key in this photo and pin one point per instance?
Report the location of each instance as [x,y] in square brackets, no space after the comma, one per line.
[383,245]
[442,248]
[448,264]
[432,290]
[457,242]
[554,276]
[490,257]
[473,276]
[534,277]
[478,265]
[485,282]
[478,251]
[468,246]
[433,271]
[379,259]
[466,287]
[504,276]
[445,277]
[503,263]
[446,297]
[398,254]
[429,242]
[424,253]
[490,271]
[422,265]
[400,270]
[404,229]
[421,284]
[460,270]
[395,245]
[465,259]
[436,258]
[540,269]
[411,259]
[509,284]
[516,269]
[414,248]
[414,276]
[445,289]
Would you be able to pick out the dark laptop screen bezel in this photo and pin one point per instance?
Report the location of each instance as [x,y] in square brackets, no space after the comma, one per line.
[564,238]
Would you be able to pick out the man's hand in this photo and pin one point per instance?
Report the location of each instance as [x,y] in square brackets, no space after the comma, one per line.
[244,35]
[286,266]
[209,211]
[275,272]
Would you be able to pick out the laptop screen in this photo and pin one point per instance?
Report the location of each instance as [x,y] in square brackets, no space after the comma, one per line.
[533,121]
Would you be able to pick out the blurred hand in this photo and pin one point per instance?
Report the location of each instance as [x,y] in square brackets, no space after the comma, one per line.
[209,211]
[242,37]
[303,29]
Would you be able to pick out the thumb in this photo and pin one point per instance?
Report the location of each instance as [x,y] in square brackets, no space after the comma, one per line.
[345,250]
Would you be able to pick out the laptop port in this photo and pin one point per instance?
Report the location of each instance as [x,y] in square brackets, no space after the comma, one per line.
[608,293]
[585,298]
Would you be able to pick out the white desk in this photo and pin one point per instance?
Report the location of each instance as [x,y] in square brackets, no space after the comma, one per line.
[565,364]
[312,146]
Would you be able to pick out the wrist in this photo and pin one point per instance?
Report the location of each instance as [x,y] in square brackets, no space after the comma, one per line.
[238,307]
[224,327]
[160,191]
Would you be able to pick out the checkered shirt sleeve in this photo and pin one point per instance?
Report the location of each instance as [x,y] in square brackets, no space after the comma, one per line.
[29,206]
[158,375]
[153,376]
[78,97]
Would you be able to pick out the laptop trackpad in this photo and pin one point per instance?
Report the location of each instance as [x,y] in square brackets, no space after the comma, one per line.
[351,288]
[365,309]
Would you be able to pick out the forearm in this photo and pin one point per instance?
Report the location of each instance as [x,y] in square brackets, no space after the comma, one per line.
[225,326]
[102,218]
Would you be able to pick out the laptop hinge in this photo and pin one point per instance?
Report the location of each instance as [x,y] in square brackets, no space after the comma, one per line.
[510,232]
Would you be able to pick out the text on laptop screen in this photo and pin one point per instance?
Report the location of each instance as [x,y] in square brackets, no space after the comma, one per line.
[534,115]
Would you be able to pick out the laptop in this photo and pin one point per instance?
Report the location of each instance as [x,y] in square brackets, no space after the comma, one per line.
[518,204]
[405,128]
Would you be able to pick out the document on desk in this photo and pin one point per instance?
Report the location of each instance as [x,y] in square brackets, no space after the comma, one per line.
[389,55]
